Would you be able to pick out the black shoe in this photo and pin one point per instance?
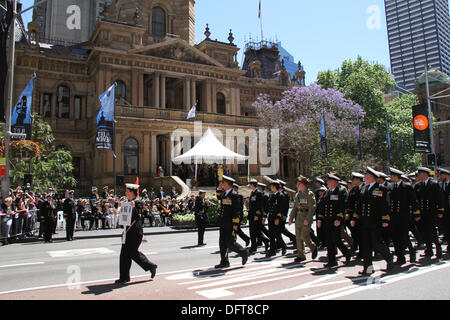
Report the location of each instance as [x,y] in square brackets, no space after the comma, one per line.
[314,254]
[267,246]
[439,253]
[222,265]
[245,257]
[331,264]
[247,242]
[364,272]
[283,251]
[427,255]
[153,271]
[298,259]
[122,281]
[270,254]
[201,245]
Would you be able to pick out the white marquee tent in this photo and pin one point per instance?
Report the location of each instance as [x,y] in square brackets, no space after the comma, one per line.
[209,150]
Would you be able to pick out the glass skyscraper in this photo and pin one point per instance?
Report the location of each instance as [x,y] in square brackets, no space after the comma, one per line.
[419,35]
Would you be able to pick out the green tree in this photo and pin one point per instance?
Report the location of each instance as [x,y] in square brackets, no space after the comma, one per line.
[52,167]
[364,83]
[399,115]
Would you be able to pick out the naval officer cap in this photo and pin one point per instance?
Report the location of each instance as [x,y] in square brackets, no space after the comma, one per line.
[235,185]
[275,183]
[228,179]
[424,169]
[373,172]
[444,171]
[382,175]
[320,181]
[71,192]
[132,186]
[357,175]
[282,183]
[262,185]
[334,177]
[396,172]
[253,181]
[201,191]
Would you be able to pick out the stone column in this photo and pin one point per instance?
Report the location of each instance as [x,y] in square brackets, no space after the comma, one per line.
[153,156]
[134,87]
[141,89]
[156,90]
[163,91]
[193,93]
[147,160]
[207,94]
[187,93]
[214,97]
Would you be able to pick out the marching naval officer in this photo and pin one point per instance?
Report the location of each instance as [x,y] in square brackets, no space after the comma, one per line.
[134,235]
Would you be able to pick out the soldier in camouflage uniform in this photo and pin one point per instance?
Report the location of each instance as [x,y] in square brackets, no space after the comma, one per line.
[303,212]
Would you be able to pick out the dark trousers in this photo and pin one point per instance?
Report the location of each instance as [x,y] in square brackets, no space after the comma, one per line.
[70,227]
[201,227]
[428,230]
[333,239]
[356,235]
[256,233]
[371,239]
[130,252]
[276,240]
[400,236]
[414,228]
[227,243]
[287,233]
[47,229]
[242,235]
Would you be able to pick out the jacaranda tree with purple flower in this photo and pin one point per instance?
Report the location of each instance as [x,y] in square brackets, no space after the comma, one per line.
[298,114]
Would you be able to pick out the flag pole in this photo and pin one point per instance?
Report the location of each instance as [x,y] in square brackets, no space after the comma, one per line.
[10,93]
[260,21]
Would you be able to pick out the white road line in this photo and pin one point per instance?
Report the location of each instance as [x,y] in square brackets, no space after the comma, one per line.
[382,282]
[302,286]
[79,252]
[247,276]
[22,264]
[228,275]
[107,280]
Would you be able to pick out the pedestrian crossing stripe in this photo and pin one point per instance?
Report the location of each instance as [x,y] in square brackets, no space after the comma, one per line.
[79,252]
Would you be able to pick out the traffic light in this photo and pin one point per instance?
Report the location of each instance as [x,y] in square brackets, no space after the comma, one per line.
[431,159]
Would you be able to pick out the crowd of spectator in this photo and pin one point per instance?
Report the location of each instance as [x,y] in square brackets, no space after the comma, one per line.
[19,212]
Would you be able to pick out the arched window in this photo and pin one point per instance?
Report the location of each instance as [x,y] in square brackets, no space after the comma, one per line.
[120,92]
[221,103]
[159,22]
[63,102]
[131,155]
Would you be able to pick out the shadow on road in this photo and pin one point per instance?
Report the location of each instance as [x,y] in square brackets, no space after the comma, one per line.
[212,273]
[109,287]
[189,247]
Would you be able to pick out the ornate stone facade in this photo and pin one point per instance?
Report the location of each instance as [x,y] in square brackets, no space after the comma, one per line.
[159,77]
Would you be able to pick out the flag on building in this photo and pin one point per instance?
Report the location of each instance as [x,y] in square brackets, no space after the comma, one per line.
[323,136]
[21,114]
[192,112]
[105,120]
[259,11]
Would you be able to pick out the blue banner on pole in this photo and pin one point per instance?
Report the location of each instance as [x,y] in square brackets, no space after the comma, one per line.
[388,138]
[323,136]
[105,120]
[21,114]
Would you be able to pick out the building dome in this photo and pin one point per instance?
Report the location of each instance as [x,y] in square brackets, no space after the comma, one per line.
[435,77]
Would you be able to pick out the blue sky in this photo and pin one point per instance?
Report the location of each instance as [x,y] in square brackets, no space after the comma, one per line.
[321,34]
